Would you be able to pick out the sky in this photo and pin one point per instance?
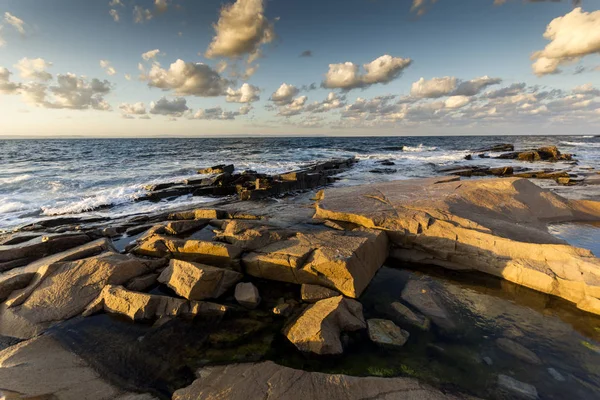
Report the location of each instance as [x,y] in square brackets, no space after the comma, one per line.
[173,68]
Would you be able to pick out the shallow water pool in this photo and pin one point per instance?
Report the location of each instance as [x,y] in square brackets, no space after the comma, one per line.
[579,234]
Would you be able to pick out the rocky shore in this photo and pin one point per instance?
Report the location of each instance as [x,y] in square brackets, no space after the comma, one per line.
[259,298]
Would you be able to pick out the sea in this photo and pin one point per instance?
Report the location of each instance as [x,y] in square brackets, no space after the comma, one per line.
[103,177]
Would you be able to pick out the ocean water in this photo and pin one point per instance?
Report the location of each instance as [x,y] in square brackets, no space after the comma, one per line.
[81,177]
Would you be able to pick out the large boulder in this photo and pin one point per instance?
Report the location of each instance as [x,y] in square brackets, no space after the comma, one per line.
[41,368]
[246,294]
[196,281]
[62,290]
[201,251]
[143,306]
[496,226]
[314,293]
[267,380]
[344,261]
[251,235]
[318,329]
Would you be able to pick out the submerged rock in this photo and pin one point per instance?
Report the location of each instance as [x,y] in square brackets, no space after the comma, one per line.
[404,315]
[314,293]
[318,329]
[196,281]
[247,295]
[517,388]
[418,294]
[518,351]
[267,380]
[386,333]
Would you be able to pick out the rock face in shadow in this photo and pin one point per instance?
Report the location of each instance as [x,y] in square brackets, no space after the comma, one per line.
[497,226]
[270,381]
[41,368]
[344,261]
[318,329]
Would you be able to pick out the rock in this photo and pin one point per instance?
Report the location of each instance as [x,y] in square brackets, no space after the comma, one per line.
[62,290]
[314,293]
[283,309]
[206,252]
[345,261]
[267,380]
[386,333]
[318,329]
[185,226]
[517,388]
[518,351]
[529,156]
[218,169]
[556,375]
[402,314]
[142,306]
[421,296]
[386,163]
[496,148]
[200,213]
[41,246]
[496,226]
[251,235]
[198,281]
[383,171]
[468,157]
[546,153]
[14,282]
[246,294]
[143,282]
[41,368]
[487,360]
[502,171]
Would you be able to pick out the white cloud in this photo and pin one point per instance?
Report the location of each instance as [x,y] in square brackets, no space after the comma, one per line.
[133,108]
[245,94]
[164,106]
[161,5]
[332,102]
[293,108]
[284,94]
[346,76]
[109,69]
[128,77]
[475,86]
[241,30]
[141,15]
[572,36]
[457,101]
[17,23]
[217,113]
[149,55]
[511,90]
[588,88]
[34,69]
[114,14]
[186,78]
[6,86]
[433,88]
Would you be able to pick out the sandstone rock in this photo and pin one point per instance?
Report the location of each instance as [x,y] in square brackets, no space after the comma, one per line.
[386,333]
[41,246]
[198,281]
[200,213]
[517,388]
[314,293]
[247,295]
[251,235]
[318,329]
[143,282]
[62,290]
[402,314]
[185,226]
[267,380]
[496,226]
[14,282]
[41,368]
[496,148]
[421,296]
[214,253]
[518,351]
[143,306]
[345,261]
[529,156]
[217,169]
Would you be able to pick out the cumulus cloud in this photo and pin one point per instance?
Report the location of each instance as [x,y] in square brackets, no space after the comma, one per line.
[346,76]
[245,94]
[15,22]
[34,69]
[475,86]
[511,90]
[588,89]
[164,106]
[293,108]
[141,15]
[433,88]
[457,101]
[6,86]
[114,14]
[109,69]
[572,36]
[186,78]
[217,113]
[149,55]
[284,94]
[133,108]
[332,102]
[241,30]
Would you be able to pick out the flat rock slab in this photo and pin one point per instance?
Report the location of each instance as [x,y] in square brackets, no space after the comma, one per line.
[270,381]
[496,226]
[42,246]
[318,329]
[41,368]
[314,293]
[385,333]
[517,388]
[344,261]
[519,351]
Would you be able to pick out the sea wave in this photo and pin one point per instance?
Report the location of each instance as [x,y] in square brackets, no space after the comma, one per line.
[104,198]
[419,148]
[580,144]
[11,206]
[15,179]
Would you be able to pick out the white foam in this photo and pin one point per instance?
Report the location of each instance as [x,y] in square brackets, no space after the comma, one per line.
[419,148]
[114,196]
[15,179]
[11,206]
[580,144]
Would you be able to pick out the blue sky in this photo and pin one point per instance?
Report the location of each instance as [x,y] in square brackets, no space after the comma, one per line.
[455,41]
